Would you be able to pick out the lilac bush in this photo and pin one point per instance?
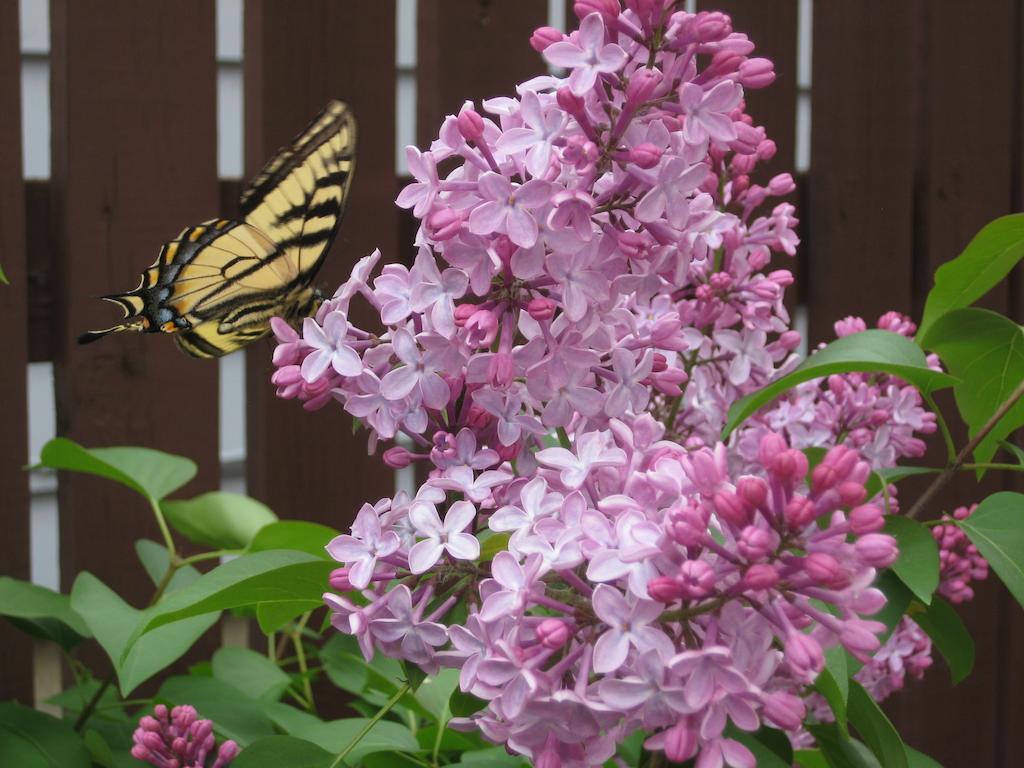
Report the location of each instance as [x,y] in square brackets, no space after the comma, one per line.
[593,290]
[179,739]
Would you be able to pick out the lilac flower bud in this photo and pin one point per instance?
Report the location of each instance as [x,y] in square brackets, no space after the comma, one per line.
[542,37]
[339,580]
[772,445]
[755,543]
[553,633]
[712,26]
[731,508]
[548,758]
[866,519]
[398,457]
[826,570]
[680,742]
[642,85]
[849,326]
[609,9]
[800,512]
[897,323]
[781,185]
[569,101]
[228,751]
[479,419]
[877,549]
[869,602]
[664,589]
[483,328]
[541,308]
[179,746]
[445,223]
[753,490]
[659,363]
[857,637]
[471,125]
[757,73]
[785,710]
[748,139]
[644,155]
[687,526]
[509,452]
[500,370]
[761,576]
[148,723]
[851,493]
[697,578]
[463,312]
[767,149]
[803,654]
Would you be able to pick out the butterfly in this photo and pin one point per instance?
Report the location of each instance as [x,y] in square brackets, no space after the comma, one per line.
[216,286]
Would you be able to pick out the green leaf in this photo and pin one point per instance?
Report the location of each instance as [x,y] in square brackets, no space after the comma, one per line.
[494,544]
[263,577]
[277,751]
[464,704]
[834,684]
[273,616]
[876,730]
[769,750]
[294,534]
[947,631]
[384,736]
[918,562]
[985,351]
[154,474]
[218,519]
[99,750]
[29,738]
[1016,450]
[3,277]
[114,622]
[898,598]
[234,715]
[996,528]
[986,260]
[921,760]
[252,673]
[436,692]
[41,612]
[892,475]
[810,758]
[873,351]
[838,751]
[288,718]
[154,559]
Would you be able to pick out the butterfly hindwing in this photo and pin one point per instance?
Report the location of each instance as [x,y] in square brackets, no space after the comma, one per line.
[217,285]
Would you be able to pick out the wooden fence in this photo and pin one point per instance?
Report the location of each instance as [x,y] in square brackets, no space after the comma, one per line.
[915,114]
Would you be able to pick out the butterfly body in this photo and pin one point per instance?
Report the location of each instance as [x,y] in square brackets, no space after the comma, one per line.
[216,286]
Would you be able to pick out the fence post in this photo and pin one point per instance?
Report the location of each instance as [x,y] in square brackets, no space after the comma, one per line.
[133,105]
[16,662]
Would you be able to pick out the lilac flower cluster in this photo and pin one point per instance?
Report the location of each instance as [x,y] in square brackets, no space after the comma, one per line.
[179,739]
[959,560]
[590,295]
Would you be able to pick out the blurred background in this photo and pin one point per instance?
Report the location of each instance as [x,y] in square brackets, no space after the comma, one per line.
[123,122]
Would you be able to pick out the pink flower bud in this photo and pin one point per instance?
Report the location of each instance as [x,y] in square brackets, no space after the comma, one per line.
[849,326]
[463,312]
[509,452]
[757,73]
[877,549]
[781,185]
[712,26]
[483,328]
[471,125]
[553,633]
[868,602]
[659,363]
[851,493]
[445,223]
[753,490]
[866,519]
[500,370]
[697,578]
[569,101]
[800,512]
[771,446]
[398,457]
[731,508]
[803,654]
[542,37]
[790,340]
[785,710]
[766,149]
[478,419]
[755,543]
[664,589]
[541,308]
[644,155]
[826,570]
[642,85]
[761,576]
[339,580]
[680,742]
[609,9]
[687,526]
[859,639]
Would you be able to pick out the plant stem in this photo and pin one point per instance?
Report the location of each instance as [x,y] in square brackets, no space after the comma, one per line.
[164,530]
[563,438]
[947,436]
[942,480]
[1005,467]
[372,722]
[300,655]
[215,554]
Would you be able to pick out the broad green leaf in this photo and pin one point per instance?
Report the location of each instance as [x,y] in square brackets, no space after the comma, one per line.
[898,598]
[921,760]
[918,561]
[495,757]
[465,704]
[834,684]
[996,528]
[875,729]
[252,673]
[947,631]
[810,758]
[986,260]
[218,519]
[99,750]
[768,749]
[262,577]
[288,718]
[154,559]
[839,752]
[113,622]
[494,544]
[234,715]
[29,739]
[375,681]
[985,351]
[436,692]
[873,351]
[273,616]
[294,534]
[279,751]
[384,736]
[75,698]
[154,474]
[41,612]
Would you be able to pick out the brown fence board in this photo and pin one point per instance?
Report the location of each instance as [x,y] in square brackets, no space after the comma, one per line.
[297,58]
[859,214]
[472,49]
[16,660]
[134,161]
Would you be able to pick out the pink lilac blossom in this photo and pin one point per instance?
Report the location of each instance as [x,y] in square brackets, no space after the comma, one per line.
[591,293]
[179,739]
[959,560]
